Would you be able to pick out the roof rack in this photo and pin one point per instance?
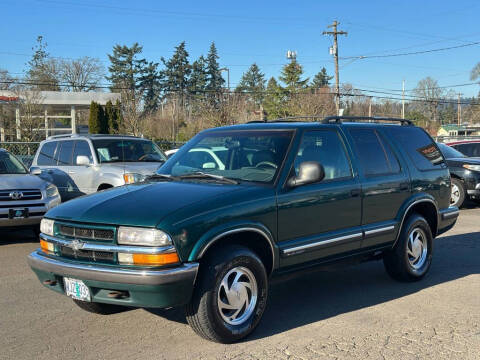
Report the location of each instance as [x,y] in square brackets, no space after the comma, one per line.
[338,119]
[62,136]
[335,119]
[89,136]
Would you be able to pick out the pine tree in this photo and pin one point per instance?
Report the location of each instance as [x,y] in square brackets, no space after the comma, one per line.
[111,115]
[126,68]
[150,86]
[177,72]
[274,101]
[94,119]
[291,76]
[215,80]
[102,120]
[253,83]
[322,79]
[198,77]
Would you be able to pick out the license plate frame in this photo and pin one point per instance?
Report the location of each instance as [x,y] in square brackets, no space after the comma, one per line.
[76,289]
[18,213]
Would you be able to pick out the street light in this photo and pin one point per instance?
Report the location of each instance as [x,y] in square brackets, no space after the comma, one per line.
[228,76]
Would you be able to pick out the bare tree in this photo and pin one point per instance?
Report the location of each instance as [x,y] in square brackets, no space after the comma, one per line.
[132,121]
[83,74]
[428,90]
[32,121]
[6,81]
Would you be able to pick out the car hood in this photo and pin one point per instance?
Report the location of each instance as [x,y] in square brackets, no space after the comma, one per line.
[141,204]
[21,182]
[144,168]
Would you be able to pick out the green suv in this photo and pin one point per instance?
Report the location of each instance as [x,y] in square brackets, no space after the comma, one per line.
[237,205]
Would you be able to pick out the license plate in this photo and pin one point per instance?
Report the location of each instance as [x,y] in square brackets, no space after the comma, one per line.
[17,213]
[76,289]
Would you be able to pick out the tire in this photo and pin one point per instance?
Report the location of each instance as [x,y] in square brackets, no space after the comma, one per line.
[36,230]
[410,260]
[457,197]
[210,313]
[98,308]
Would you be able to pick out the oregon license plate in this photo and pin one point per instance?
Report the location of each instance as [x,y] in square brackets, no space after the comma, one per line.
[76,289]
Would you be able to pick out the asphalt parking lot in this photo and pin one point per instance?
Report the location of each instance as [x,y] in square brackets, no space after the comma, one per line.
[350,312]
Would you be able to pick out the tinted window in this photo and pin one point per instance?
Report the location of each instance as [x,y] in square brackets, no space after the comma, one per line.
[448,152]
[82,149]
[327,148]
[46,155]
[127,150]
[10,165]
[375,155]
[471,150]
[65,153]
[418,145]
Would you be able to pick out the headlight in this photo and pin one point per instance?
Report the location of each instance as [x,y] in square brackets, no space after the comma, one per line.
[52,191]
[142,236]
[46,226]
[131,178]
[472,167]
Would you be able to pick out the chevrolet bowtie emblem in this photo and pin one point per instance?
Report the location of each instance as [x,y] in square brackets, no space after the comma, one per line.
[76,245]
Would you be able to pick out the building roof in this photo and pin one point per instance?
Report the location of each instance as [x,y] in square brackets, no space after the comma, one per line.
[65,98]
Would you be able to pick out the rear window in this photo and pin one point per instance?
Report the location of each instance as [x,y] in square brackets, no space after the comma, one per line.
[423,152]
[47,152]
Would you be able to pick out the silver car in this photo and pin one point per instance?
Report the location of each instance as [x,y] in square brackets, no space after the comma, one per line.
[24,198]
[84,164]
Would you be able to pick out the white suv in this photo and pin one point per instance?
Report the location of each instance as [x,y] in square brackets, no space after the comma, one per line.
[84,164]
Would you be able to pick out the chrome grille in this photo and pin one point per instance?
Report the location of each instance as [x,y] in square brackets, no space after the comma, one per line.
[85,233]
[29,194]
[97,256]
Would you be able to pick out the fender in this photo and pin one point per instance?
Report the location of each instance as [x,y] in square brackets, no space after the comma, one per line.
[408,204]
[216,233]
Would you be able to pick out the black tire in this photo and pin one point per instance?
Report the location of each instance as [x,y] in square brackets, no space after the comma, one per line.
[36,230]
[398,262]
[203,312]
[98,308]
[460,199]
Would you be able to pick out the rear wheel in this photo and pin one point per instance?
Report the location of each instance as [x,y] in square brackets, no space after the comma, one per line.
[411,257]
[98,308]
[457,195]
[230,295]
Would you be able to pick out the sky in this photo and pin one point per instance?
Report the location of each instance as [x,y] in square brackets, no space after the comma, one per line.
[260,31]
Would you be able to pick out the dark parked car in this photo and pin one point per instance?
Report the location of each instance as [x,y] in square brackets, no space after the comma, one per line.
[288,195]
[465,172]
[470,148]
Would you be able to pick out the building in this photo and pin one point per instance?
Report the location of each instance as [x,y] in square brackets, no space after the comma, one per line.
[57,109]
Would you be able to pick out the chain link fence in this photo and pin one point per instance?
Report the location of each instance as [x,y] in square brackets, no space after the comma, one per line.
[25,151]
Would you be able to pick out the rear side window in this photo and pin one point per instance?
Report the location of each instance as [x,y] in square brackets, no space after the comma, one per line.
[82,149]
[471,150]
[418,145]
[65,153]
[375,155]
[47,152]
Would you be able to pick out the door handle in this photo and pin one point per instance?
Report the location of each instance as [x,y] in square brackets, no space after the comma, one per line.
[355,192]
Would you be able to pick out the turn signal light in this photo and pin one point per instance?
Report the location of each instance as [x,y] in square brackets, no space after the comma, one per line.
[47,246]
[148,259]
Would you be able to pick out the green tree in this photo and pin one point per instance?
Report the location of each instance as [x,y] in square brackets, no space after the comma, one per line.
[151,87]
[321,79]
[215,80]
[253,83]
[198,77]
[43,71]
[274,101]
[125,68]
[177,72]
[94,126]
[291,76]
[111,114]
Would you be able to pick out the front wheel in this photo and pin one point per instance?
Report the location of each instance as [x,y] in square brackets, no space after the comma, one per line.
[230,295]
[411,257]
[457,195]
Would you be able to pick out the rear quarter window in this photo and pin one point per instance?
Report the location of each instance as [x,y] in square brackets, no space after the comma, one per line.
[47,153]
[418,145]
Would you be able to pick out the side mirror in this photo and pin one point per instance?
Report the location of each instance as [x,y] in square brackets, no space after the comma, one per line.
[35,170]
[309,172]
[82,160]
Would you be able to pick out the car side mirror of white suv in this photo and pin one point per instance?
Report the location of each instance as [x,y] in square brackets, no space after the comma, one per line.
[35,170]
[82,160]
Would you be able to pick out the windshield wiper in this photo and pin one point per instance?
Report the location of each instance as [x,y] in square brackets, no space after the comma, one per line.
[162,177]
[203,175]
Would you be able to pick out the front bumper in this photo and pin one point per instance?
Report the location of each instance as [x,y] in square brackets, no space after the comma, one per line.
[36,208]
[474,191]
[144,287]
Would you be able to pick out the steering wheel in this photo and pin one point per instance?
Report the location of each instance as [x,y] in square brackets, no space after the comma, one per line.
[266,163]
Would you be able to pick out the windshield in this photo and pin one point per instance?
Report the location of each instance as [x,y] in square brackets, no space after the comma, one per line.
[253,155]
[127,150]
[10,165]
[449,152]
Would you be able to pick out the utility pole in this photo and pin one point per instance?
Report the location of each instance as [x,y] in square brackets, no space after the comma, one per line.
[403,99]
[369,106]
[334,52]
[459,110]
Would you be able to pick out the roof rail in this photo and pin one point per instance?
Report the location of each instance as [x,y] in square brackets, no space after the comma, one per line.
[338,119]
[62,136]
